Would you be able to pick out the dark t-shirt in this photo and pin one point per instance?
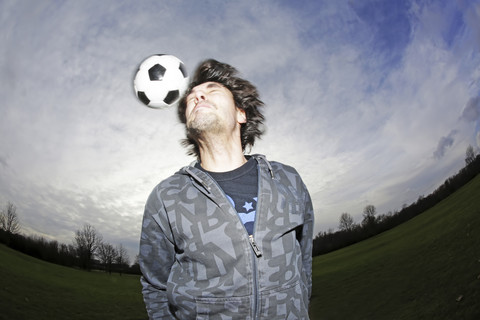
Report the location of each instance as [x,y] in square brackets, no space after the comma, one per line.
[241,188]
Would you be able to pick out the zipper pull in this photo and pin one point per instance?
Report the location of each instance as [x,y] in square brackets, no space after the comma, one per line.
[255,248]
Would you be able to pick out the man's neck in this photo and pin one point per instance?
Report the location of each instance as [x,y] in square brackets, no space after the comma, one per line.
[216,156]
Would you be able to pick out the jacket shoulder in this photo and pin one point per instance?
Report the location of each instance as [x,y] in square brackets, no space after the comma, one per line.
[287,175]
[279,166]
[169,186]
[175,180]
[282,169]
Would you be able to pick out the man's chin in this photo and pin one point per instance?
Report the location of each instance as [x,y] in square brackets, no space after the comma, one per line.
[203,125]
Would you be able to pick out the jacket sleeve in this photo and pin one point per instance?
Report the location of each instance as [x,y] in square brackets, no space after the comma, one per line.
[156,257]
[306,242]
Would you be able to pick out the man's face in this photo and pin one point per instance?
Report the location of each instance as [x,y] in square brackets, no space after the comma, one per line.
[210,107]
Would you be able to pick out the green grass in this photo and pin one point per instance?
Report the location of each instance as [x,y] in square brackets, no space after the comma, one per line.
[426,268]
[34,289]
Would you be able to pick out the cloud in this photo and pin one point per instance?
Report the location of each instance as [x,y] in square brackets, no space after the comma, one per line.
[444,143]
[3,162]
[356,93]
[389,28]
[471,114]
[471,111]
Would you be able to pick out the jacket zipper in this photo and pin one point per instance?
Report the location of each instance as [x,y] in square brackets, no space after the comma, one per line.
[251,240]
[256,250]
[256,296]
[253,244]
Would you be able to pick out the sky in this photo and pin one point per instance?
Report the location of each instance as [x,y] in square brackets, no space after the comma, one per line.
[373,102]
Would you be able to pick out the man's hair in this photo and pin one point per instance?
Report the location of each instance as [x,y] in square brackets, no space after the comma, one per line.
[245,96]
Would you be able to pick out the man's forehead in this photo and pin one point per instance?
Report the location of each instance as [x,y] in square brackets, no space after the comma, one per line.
[208,85]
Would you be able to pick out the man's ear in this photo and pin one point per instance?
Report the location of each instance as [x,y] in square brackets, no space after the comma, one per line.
[241,116]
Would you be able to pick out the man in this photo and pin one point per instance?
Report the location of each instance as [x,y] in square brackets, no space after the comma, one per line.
[230,236]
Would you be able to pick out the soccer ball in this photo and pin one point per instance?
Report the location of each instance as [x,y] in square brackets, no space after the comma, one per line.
[160,81]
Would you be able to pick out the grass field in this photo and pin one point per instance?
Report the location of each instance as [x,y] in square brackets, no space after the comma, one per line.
[427,268]
[34,289]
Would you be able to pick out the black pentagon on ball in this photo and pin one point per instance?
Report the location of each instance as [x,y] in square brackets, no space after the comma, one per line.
[143,97]
[156,72]
[171,96]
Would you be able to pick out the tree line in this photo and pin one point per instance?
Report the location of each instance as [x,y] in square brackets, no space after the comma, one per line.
[87,251]
[372,224]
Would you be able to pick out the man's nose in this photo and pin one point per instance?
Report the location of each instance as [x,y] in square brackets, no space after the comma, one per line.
[200,95]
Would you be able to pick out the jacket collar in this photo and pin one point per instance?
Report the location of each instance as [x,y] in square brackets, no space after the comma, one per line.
[204,181]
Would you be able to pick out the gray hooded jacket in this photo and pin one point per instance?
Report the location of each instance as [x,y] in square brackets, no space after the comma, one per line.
[198,261]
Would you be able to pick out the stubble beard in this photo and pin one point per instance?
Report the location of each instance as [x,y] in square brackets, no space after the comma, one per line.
[202,125]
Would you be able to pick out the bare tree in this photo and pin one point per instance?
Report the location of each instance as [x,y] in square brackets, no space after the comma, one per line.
[86,243]
[135,267]
[9,221]
[346,222]
[122,258]
[107,254]
[469,155]
[369,213]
